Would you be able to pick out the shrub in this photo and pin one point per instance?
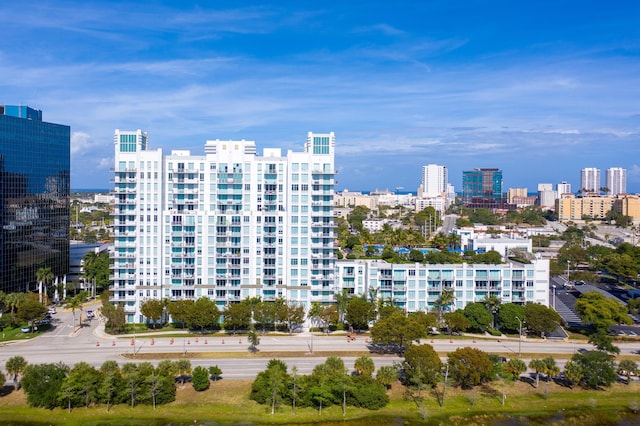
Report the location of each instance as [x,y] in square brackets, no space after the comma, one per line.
[200,379]
[367,393]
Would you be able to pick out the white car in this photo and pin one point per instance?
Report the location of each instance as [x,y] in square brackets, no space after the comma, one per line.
[52,311]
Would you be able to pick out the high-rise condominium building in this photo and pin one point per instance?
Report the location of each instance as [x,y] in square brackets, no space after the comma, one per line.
[434,180]
[563,188]
[226,225]
[617,180]
[482,188]
[34,186]
[590,180]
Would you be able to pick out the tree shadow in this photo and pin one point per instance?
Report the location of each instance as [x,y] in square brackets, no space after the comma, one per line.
[6,390]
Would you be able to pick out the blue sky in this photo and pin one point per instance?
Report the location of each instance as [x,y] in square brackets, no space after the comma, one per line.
[539,89]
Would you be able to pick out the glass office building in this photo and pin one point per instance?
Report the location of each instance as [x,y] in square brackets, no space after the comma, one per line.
[482,188]
[34,197]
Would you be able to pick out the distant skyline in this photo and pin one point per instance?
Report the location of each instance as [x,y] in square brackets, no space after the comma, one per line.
[539,90]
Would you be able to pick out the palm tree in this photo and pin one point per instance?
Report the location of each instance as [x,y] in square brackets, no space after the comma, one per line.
[44,276]
[342,300]
[491,302]
[74,304]
[445,300]
[14,300]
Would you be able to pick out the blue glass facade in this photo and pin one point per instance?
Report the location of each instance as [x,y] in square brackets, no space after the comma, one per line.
[34,197]
[482,188]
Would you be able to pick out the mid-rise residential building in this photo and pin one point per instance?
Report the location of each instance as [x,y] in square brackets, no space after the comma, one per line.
[628,205]
[482,188]
[616,181]
[416,287]
[568,207]
[34,186]
[590,180]
[546,195]
[226,225]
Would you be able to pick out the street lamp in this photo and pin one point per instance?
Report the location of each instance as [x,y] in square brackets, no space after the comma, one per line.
[519,336]
[554,296]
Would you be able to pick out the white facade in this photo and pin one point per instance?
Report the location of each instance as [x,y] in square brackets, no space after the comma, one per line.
[546,195]
[434,181]
[416,287]
[590,179]
[617,180]
[227,225]
[501,245]
[563,188]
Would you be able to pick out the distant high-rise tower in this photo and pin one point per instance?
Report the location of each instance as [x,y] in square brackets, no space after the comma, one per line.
[590,179]
[434,180]
[617,180]
[563,188]
[482,188]
[34,197]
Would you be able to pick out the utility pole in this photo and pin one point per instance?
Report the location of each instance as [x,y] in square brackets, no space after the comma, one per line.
[519,336]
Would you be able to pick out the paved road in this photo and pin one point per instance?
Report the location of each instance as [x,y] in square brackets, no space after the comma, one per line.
[90,344]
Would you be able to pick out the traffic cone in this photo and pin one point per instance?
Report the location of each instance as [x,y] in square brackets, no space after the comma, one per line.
[223,341]
[205,341]
[97,343]
[133,342]
[153,342]
[113,343]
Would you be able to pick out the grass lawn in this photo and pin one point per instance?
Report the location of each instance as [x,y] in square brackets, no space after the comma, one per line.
[226,402]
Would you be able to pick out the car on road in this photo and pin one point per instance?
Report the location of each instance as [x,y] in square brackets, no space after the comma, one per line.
[52,310]
[90,314]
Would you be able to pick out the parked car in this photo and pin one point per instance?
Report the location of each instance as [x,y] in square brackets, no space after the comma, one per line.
[90,314]
[53,311]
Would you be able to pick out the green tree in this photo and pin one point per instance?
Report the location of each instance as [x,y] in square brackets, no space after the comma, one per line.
[398,329]
[469,367]
[152,309]
[200,379]
[109,390]
[508,315]
[114,316]
[601,312]
[74,304]
[132,380]
[359,313]
[271,385]
[15,367]
[598,368]
[31,310]
[183,368]
[541,319]
[627,368]
[254,340]
[479,317]
[44,276]
[364,365]
[445,300]
[204,314]
[292,315]
[265,314]
[514,368]
[422,363]
[573,373]
[603,342]
[456,321]
[387,375]
[81,385]
[539,367]
[42,384]
[180,311]
[215,372]
[237,316]
[96,268]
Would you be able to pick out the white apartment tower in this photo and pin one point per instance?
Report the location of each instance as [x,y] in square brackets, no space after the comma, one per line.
[227,225]
[590,179]
[563,188]
[434,180]
[617,180]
